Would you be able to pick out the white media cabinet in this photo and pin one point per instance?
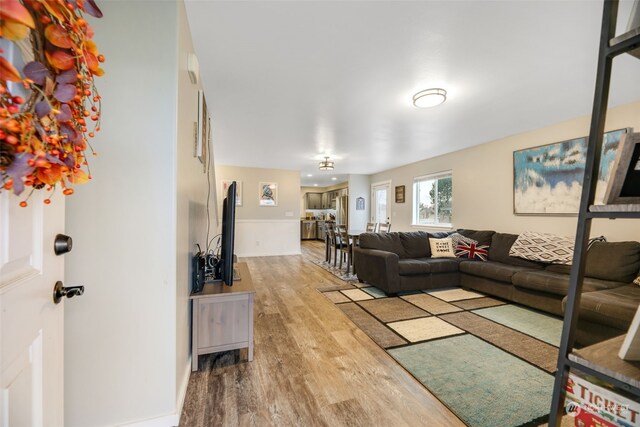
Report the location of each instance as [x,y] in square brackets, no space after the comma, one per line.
[222,317]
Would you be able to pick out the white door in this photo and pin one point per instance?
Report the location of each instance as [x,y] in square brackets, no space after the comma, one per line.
[31,324]
[381,202]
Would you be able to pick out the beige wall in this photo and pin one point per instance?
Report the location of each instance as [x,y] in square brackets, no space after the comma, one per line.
[133,226]
[288,191]
[483,182]
[260,230]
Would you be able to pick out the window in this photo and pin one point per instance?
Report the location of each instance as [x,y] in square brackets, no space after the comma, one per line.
[432,199]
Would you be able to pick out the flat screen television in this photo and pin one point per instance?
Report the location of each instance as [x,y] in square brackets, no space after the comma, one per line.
[228,233]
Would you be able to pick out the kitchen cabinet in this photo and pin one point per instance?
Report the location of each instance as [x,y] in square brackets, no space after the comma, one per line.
[326,201]
[314,200]
[307,229]
[320,230]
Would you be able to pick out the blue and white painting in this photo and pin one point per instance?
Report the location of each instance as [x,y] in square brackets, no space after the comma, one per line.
[548,179]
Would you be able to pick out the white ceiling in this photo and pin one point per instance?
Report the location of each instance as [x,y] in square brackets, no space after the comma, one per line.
[288,82]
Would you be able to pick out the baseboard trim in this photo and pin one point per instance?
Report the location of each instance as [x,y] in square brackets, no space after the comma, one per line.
[182,392]
[249,255]
[171,420]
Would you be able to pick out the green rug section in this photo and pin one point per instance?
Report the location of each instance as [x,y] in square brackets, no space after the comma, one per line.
[530,322]
[488,386]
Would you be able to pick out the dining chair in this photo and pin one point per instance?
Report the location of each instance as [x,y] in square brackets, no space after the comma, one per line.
[384,227]
[329,237]
[335,243]
[371,227]
[344,246]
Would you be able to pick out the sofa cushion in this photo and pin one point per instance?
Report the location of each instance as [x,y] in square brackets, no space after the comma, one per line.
[499,251]
[614,307]
[558,268]
[440,234]
[415,244]
[413,266]
[442,248]
[543,247]
[388,242]
[616,261]
[472,251]
[491,270]
[557,283]
[483,237]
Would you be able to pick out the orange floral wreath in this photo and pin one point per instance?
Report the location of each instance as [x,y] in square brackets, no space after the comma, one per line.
[44,134]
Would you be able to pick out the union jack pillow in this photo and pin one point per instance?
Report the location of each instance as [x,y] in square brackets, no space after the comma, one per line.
[472,251]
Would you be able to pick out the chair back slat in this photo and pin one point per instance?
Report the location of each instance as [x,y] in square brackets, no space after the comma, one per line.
[384,227]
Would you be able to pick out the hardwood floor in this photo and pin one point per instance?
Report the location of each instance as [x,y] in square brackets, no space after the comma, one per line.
[311,366]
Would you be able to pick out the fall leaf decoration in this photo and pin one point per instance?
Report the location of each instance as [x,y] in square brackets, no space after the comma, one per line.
[44,134]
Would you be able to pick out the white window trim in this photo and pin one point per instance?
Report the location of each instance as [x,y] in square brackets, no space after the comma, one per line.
[431,176]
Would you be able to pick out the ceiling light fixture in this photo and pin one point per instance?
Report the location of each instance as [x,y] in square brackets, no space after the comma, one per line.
[429,98]
[325,165]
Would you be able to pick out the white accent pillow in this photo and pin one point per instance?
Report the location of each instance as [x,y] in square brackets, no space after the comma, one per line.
[637,281]
[543,247]
[442,248]
[457,238]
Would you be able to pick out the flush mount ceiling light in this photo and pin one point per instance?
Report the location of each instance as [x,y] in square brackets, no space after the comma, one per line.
[429,98]
[325,165]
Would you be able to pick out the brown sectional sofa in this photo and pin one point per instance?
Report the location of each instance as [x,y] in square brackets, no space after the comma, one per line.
[401,261]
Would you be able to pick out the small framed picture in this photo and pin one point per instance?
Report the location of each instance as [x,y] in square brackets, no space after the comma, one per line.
[225,183]
[400,194]
[268,194]
[624,182]
[202,131]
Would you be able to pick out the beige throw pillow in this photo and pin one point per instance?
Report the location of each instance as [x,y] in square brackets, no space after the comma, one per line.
[637,281]
[442,248]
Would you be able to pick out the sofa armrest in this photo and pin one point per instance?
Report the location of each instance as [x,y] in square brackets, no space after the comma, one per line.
[378,268]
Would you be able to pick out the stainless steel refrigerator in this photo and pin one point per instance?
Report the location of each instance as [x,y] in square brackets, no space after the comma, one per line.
[342,210]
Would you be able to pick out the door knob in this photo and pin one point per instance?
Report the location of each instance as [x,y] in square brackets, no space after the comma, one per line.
[59,291]
[62,244]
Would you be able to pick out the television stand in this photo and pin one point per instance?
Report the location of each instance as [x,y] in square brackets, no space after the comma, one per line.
[222,317]
[236,276]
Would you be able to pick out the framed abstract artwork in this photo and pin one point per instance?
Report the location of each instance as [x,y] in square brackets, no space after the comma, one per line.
[547,180]
[268,194]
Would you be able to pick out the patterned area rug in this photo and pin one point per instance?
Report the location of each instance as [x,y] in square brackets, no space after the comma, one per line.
[489,361]
[336,271]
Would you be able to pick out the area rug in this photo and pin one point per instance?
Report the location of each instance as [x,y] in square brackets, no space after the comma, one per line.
[336,271]
[490,362]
